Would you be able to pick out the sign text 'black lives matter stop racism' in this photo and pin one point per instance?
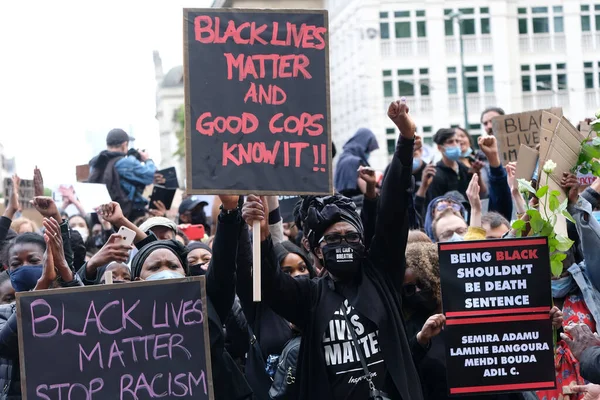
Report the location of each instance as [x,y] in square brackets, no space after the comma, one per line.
[128,341]
[257,101]
[496,296]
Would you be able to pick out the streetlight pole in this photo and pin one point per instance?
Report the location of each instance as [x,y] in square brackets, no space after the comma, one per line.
[457,15]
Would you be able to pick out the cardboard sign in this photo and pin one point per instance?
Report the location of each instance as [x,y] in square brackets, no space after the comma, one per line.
[496,295]
[526,162]
[82,172]
[513,130]
[136,340]
[26,192]
[257,101]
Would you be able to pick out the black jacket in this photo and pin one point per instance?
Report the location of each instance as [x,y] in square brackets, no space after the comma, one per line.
[447,180]
[310,304]
[590,364]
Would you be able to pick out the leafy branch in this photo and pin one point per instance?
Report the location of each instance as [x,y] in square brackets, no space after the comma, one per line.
[589,156]
[542,224]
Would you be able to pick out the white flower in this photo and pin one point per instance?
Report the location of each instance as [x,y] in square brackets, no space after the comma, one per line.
[523,185]
[549,166]
[598,114]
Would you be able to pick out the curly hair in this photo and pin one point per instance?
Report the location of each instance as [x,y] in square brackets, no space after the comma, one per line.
[423,259]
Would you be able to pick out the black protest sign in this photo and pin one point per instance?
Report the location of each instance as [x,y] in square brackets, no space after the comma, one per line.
[128,341]
[505,355]
[26,192]
[257,101]
[496,296]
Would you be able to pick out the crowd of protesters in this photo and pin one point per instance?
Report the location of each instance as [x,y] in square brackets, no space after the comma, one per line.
[385,292]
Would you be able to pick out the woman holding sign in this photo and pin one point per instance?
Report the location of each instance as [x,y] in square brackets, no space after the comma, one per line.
[359,290]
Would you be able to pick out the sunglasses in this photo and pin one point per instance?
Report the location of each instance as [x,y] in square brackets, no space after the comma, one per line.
[336,238]
[441,206]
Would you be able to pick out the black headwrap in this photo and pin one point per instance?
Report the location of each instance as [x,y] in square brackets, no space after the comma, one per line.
[198,245]
[319,213]
[284,248]
[173,245]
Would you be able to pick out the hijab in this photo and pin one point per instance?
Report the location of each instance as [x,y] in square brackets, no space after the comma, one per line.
[172,245]
[284,248]
[354,154]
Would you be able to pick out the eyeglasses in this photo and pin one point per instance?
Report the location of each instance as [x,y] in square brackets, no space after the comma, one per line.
[336,238]
[441,206]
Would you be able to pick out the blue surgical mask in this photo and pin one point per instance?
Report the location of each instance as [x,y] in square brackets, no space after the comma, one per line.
[467,153]
[26,277]
[456,238]
[596,215]
[165,274]
[416,164]
[453,153]
[561,287]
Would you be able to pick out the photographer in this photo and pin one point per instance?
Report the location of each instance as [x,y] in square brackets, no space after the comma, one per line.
[124,172]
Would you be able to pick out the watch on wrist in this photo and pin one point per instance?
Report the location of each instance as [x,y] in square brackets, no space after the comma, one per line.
[228,212]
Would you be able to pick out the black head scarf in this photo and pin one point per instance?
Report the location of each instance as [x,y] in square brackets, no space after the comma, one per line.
[198,245]
[173,245]
[284,248]
[319,213]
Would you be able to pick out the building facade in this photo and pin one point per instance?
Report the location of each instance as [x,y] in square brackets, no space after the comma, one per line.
[518,54]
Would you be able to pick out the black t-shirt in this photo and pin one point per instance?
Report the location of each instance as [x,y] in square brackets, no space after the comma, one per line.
[344,368]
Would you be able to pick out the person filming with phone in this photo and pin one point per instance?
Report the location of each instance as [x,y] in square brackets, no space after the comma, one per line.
[125,173]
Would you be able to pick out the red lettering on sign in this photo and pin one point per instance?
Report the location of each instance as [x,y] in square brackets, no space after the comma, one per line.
[249,153]
[525,254]
[297,125]
[283,66]
[247,123]
[273,95]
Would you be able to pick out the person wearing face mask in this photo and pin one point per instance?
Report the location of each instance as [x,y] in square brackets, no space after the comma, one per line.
[167,259]
[198,258]
[359,286]
[355,153]
[34,262]
[450,174]
[80,224]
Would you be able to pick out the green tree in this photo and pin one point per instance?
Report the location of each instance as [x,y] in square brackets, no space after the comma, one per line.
[179,120]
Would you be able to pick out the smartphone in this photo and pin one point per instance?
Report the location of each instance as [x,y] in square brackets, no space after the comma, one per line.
[127,234]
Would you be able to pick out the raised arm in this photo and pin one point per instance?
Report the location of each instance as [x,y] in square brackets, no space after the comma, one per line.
[290,298]
[391,229]
[499,190]
[220,277]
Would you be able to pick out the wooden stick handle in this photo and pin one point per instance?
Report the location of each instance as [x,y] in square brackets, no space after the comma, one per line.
[256,289]
[108,277]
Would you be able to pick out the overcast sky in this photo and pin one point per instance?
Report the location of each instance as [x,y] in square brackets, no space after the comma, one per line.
[72,70]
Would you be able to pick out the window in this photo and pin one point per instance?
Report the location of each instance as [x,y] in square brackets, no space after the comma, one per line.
[427,129]
[472,84]
[526,83]
[588,68]
[541,25]
[384,30]
[402,14]
[421,29]
[467,11]
[387,72]
[585,8]
[471,68]
[539,10]
[424,83]
[522,26]
[387,89]
[420,13]
[586,24]
[384,26]
[543,82]
[467,27]
[390,131]
[402,30]
[488,82]
[524,67]
[391,146]
[452,86]
[485,26]
[484,10]
[558,25]
[405,72]
[543,67]
[557,9]
[424,71]
[488,68]
[451,70]
[448,23]
[406,87]
[561,77]
[522,10]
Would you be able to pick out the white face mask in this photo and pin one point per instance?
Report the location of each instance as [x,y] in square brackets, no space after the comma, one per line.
[83,232]
[165,274]
[456,238]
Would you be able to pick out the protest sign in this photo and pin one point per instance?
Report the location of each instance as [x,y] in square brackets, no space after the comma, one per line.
[82,172]
[138,340]
[496,296]
[526,162]
[513,130]
[26,192]
[257,101]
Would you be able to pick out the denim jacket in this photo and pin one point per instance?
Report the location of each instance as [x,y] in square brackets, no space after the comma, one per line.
[135,174]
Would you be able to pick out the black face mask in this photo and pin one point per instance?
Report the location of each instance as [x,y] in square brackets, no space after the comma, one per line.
[343,260]
[197,270]
[98,241]
[421,302]
[198,218]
